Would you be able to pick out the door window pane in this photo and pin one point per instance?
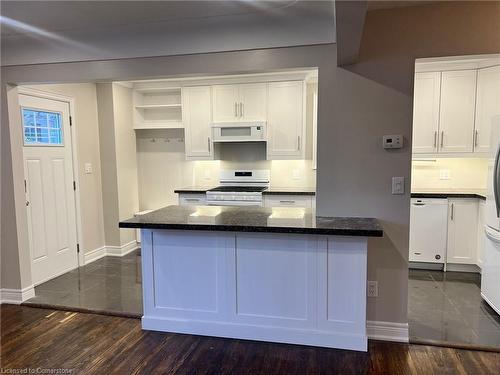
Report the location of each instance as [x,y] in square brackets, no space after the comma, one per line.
[42,128]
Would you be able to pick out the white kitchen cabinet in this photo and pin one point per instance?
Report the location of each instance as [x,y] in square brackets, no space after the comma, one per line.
[196,104]
[192,199]
[426,112]
[457,111]
[428,230]
[285,120]
[291,200]
[487,106]
[481,238]
[243,102]
[462,231]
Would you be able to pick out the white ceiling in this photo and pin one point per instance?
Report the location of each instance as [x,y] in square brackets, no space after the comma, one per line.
[56,31]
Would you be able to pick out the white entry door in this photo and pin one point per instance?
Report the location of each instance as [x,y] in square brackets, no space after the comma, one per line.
[50,198]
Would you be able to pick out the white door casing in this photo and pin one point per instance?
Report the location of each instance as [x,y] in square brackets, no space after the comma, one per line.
[50,196]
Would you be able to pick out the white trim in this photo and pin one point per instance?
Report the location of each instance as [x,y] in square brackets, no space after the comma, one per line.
[114,251]
[16,296]
[387,331]
[456,267]
[490,303]
[119,251]
[94,255]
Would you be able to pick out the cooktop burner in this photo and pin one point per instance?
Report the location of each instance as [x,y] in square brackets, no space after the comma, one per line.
[240,189]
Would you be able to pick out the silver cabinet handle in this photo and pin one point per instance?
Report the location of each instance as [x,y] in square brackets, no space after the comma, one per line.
[208,139]
[419,204]
[241,109]
[435,139]
[452,210]
[442,138]
[235,109]
[298,142]
[287,201]
[475,138]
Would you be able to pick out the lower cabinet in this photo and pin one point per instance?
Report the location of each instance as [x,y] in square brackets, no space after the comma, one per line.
[305,201]
[462,231]
[190,199]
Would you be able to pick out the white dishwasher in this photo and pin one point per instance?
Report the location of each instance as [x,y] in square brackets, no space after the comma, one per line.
[428,230]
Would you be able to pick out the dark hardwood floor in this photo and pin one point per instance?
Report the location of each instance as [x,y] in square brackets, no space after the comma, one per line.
[98,344]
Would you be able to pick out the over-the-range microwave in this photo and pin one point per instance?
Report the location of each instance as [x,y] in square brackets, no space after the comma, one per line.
[239,131]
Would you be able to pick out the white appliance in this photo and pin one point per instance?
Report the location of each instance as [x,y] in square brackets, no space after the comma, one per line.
[239,131]
[428,230]
[490,271]
[239,188]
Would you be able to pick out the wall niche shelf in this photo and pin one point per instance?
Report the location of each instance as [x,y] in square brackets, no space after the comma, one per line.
[158,108]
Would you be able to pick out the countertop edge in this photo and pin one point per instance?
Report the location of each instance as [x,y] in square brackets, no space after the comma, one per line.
[258,229]
[448,195]
[272,192]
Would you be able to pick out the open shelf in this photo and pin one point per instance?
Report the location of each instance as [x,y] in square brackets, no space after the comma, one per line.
[157,106]
[158,125]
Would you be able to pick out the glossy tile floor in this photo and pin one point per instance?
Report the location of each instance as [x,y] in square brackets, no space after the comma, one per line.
[447,307]
[110,284]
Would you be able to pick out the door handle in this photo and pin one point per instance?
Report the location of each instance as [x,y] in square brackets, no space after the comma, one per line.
[442,138]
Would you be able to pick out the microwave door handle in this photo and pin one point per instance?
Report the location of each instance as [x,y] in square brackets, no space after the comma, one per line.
[496,180]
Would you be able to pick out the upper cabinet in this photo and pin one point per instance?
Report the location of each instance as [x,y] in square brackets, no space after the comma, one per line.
[457,111]
[286,120]
[243,102]
[157,108]
[196,103]
[487,105]
[453,110]
[426,112]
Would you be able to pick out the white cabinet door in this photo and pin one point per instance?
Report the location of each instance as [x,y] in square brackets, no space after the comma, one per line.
[226,107]
[487,105]
[196,106]
[462,231]
[426,112]
[285,120]
[288,201]
[253,102]
[428,230]
[190,199]
[457,111]
[481,238]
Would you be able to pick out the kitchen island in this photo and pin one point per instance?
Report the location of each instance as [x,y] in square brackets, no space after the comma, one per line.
[271,274]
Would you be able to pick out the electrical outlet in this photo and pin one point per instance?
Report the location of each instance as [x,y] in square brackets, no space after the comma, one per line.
[207,175]
[88,168]
[372,289]
[296,174]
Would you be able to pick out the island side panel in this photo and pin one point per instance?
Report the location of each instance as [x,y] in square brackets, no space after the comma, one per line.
[272,287]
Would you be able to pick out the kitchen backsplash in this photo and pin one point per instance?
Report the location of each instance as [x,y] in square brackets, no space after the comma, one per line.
[449,173]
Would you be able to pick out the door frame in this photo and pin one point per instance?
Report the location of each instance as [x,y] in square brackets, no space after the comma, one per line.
[74,155]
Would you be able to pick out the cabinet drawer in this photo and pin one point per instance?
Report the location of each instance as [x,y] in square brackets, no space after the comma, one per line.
[288,201]
[192,199]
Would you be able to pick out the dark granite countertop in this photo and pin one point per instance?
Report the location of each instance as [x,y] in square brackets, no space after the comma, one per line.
[254,219]
[269,191]
[451,194]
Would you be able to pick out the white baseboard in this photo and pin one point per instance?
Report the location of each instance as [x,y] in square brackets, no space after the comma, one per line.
[455,267]
[16,296]
[119,251]
[387,331]
[115,251]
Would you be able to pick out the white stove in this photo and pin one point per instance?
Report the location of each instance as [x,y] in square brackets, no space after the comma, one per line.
[239,188]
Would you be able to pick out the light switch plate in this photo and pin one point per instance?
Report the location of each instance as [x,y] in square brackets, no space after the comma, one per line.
[88,168]
[296,174]
[398,185]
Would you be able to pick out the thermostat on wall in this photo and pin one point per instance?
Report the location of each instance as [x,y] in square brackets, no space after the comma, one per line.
[392,141]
